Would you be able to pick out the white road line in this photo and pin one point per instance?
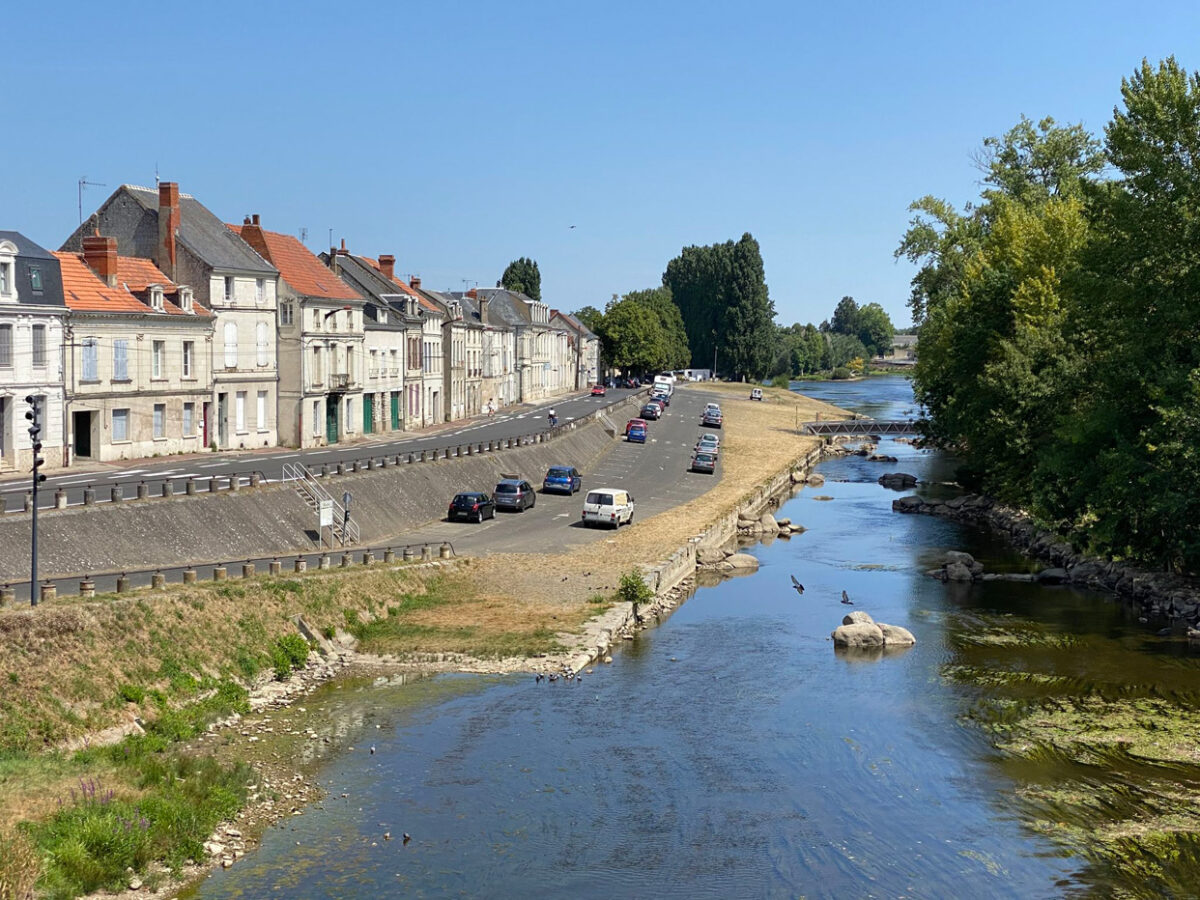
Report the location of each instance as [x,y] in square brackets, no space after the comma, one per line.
[284,456]
[128,472]
[212,465]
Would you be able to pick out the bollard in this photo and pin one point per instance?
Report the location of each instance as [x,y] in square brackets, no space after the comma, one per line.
[347,560]
[276,567]
[87,587]
[408,554]
[301,564]
[470,451]
[28,501]
[426,553]
[255,479]
[219,573]
[235,483]
[60,499]
[189,487]
[389,555]
[460,452]
[143,491]
[116,494]
[167,491]
[158,581]
[212,485]
[384,462]
[368,557]
[370,464]
[8,595]
[444,551]
[247,569]
[479,448]
[189,576]
[122,583]
[355,466]
[323,562]
[48,592]
[412,458]
[324,470]
[341,468]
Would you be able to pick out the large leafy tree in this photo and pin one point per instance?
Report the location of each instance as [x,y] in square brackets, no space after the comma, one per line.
[676,354]
[633,338]
[522,276]
[875,329]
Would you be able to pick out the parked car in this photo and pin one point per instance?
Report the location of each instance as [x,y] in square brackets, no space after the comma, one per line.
[711,419]
[635,431]
[756,394]
[704,462]
[708,443]
[651,411]
[608,506]
[598,390]
[663,396]
[472,506]
[562,480]
[514,493]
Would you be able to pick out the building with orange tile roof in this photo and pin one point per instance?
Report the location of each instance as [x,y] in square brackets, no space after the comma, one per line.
[322,362]
[137,371]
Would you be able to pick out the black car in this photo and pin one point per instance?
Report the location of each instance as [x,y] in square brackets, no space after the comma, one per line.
[650,411]
[515,493]
[472,506]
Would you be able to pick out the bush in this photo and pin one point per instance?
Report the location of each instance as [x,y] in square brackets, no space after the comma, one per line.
[289,652]
[841,373]
[131,693]
[781,381]
[633,589]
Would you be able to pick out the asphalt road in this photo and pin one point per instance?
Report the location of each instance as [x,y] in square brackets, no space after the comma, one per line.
[656,473]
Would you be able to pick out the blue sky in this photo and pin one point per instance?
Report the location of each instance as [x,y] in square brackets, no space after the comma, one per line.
[459,136]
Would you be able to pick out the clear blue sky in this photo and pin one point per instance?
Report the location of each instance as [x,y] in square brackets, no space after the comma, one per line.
[459,136]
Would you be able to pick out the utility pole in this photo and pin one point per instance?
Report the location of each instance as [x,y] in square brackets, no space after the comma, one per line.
[35,430]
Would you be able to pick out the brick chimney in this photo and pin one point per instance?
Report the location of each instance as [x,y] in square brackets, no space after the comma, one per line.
[100,254]
[168,227]
[252,234]
[414,282]
[473,294]
[387,265]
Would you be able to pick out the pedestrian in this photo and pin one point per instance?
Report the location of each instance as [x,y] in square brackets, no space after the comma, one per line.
[491,409]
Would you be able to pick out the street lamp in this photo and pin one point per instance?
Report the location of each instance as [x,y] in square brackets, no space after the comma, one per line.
[35,431]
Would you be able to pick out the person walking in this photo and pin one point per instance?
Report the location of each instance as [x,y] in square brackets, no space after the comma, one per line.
[553,418]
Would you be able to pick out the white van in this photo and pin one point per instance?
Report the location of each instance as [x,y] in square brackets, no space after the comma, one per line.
[608,506]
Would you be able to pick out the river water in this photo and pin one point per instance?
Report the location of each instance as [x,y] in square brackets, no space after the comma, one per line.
[731,752]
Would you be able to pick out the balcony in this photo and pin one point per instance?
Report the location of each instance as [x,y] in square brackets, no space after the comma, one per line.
[339,381]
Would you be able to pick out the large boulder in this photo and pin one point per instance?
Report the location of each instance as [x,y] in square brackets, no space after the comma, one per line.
[898,481]
[958,556]
[767,523]
[1052,576]
[741,561]
[909,504]
[859,636]
[957,572]
[895,636]
[814,480]
[858,617]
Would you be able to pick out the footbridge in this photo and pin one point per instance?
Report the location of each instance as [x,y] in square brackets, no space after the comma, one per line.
[833,427]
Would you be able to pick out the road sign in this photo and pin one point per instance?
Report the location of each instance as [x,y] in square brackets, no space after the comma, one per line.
[326,512]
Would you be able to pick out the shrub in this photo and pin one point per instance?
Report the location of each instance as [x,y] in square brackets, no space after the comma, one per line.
[131,693]
[781,381]
[633,589]
[289,652]
[841,373]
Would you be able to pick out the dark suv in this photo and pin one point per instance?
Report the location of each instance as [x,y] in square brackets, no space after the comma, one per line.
[514,493]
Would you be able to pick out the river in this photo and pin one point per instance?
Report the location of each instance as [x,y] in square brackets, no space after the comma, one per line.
[730,752]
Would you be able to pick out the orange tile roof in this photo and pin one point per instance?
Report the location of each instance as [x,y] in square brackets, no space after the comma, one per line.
[137,274]
[297,266]
[83,289]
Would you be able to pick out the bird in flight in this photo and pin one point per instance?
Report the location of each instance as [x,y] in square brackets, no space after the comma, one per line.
[572,226]
[797,585]
[846,599]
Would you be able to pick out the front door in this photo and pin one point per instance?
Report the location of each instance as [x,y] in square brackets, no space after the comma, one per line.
[395,410]
[332,403]
[368,413]
[81,427]
[207,412]
[222,420]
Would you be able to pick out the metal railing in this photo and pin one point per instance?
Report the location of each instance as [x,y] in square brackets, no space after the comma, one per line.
[858,426]
[298,476]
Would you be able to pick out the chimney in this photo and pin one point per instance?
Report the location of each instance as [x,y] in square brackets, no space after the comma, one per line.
[100,254]
[252,234]
[483,303]
[343,249]
[387,265]
[414,282]
[168,227]
[472,293]
[255,218]
[333,261]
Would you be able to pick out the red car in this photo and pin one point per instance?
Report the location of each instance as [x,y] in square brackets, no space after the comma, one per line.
[598,390]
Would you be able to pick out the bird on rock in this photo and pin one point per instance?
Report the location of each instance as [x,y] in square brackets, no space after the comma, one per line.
[846,599]
[797,585]
[407,837]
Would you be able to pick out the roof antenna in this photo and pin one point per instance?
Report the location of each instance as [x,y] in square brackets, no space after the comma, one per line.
[83,182]
[156,173]
[303,234]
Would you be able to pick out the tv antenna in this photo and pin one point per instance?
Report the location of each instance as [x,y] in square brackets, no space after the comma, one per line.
[83,182]
[303,235]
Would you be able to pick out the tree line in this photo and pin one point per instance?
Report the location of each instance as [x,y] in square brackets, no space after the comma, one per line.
[1059,320]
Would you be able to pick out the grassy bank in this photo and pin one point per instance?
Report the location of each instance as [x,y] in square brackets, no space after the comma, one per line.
[158,667]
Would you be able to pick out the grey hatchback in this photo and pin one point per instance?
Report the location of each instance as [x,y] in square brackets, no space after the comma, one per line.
[514,493]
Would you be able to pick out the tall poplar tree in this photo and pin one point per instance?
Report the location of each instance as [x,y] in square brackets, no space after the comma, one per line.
[522,276]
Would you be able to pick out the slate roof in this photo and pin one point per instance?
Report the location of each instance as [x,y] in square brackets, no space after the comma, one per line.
[504,307]
[29,253]
[299,268]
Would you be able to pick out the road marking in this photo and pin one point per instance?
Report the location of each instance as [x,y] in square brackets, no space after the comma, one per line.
[284,456]
[212,465]
[127,473]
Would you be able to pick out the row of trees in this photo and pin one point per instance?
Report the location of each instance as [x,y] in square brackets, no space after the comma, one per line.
[640,332]
[1060,322]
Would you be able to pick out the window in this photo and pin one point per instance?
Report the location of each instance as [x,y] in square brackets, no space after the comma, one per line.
[350,364]
[157,352]
[35,279]
[260,289]
[39,346]
[349,415]
[240,411]
[228,289]
[120,360]
[286,312]
[262,411]
[185,300]
[160,421]
[156,298]
[231,356]
[89,359]
[316,418]
[6,346]
[261,343]
[189,352]
[6,279]
[374,371]
[315,375]
[189,418]
[120,425]
[316,320]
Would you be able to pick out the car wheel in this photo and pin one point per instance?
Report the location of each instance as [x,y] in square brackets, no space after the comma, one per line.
[629,521]
[532,502]
[479,517]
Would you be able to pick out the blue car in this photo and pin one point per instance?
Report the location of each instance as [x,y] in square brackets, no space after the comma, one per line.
[562,480]
[636,434]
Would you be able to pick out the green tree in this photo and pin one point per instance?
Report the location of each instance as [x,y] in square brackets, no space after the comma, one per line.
[633,337]
[676,354]
[522,276]
[748,343]
[845,317]
[875,329]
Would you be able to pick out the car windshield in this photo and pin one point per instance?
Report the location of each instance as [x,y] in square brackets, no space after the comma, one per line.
[559,473]
[600,499]
[507,488]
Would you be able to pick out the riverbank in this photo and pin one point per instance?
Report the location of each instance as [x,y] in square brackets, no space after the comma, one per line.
[134,658]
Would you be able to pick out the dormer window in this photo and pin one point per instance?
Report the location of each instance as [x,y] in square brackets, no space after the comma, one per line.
[185,300]
[8,254]
[156,297]
[35,278]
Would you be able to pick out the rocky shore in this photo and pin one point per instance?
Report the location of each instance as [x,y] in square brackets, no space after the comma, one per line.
[1158,594]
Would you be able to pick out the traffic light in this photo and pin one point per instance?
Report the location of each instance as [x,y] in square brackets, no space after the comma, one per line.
[35,436]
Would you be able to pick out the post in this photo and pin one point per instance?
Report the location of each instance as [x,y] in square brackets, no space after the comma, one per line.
[34,417]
